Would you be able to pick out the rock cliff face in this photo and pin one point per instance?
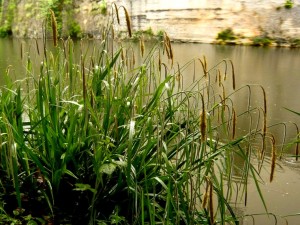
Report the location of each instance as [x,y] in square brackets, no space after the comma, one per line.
[202,20]
[189,20]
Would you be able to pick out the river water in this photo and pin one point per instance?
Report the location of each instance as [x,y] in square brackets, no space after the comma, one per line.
[276,69]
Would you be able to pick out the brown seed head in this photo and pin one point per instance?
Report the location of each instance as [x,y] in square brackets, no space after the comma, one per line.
[273,159]
[54,27]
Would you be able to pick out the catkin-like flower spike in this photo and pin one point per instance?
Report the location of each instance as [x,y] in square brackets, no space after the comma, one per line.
[233,123]
[122,55]
[142,46]
[220,79]
[167,50]
[21,48]
[178,76]
[217,75]
[203,121]
[117,13]
[206,194]
[159,61]
[273,159]
[37,46]
[233,75]
[133,58]
[128,23]
[168,47]
[54,27]
[297,142]
[205,62]
[264,129]
[265,100]
[203,67]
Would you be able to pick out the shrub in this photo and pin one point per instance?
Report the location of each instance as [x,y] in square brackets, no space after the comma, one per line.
[103,7]
[5,31]
[288,4]
[226,35]
[295,43]
[148,34]
[75,30]
[262,41]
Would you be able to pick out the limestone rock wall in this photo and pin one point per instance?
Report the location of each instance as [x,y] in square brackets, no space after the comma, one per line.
[202,20]
[188,20]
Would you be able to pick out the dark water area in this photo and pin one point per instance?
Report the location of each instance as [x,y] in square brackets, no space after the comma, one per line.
[275,69]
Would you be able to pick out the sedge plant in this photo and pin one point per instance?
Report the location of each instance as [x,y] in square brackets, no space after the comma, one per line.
[100,139]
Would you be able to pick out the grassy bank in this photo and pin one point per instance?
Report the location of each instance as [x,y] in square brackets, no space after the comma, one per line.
[108,141]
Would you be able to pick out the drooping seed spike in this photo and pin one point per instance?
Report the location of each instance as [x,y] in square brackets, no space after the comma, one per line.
[21,50]
[273,159]
[233,123]
[128,23]
[206,194]
[203,121]
[265,99]
[142,46]
[117,13]
[220,79]
[159,61]
[233,75]
[37,46]
[54,28]
[203,67]
[133,58]
[297,142]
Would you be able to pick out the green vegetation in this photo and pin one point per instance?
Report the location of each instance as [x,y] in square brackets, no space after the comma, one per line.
[5,31]
[103,7]
[74,30]
[262,41]
[160,34]
[105,141]
[148,34]
[288,4]
[295,43]
[7,10]
[226,35]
